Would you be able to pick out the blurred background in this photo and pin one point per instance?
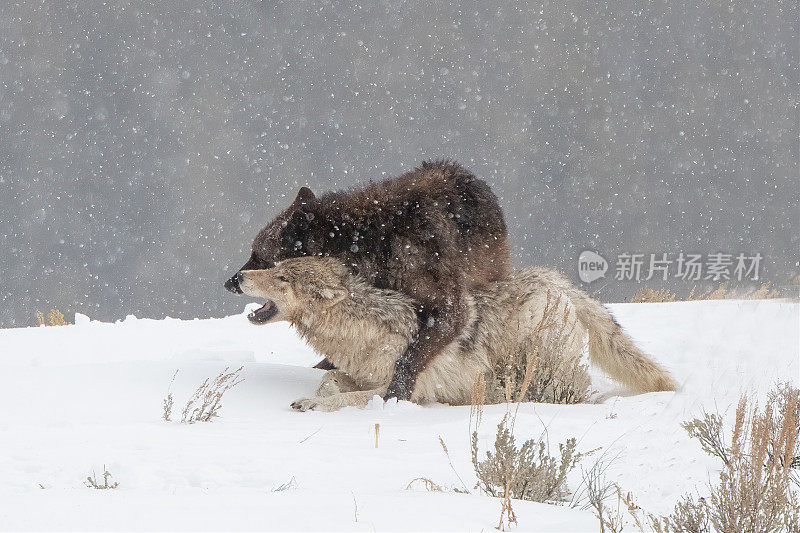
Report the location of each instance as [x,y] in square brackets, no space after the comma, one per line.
[144,144]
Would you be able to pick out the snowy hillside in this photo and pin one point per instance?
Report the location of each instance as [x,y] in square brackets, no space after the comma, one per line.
[78,397]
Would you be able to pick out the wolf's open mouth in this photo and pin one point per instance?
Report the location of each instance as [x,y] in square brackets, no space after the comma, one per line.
[263,313]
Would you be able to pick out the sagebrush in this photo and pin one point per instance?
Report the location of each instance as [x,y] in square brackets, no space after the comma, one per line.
[527,472]
[759,466]
[689,516]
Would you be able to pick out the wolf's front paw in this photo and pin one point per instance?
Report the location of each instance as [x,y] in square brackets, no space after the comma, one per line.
[304,404]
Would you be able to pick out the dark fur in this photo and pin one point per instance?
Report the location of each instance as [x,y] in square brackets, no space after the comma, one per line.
[432,233]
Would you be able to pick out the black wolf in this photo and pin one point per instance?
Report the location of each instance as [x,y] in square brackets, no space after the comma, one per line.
[433,234]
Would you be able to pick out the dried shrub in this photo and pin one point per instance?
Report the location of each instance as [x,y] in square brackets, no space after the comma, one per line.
[525,473]
[785,399]
[689,516]
[626,500]
[206,401]
[547,369]
[754,492]
[167,405]
[54,318]
[708,430]
[648,295]
[595,490]
[92,483]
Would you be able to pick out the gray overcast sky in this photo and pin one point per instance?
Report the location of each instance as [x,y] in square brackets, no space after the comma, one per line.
[143,144]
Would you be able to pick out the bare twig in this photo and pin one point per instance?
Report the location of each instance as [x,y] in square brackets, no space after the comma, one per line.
[449,460]
[308,437]
[167,403]
[428,483]
[291,484]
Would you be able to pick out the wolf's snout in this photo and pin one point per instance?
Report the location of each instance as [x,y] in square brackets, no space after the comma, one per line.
[234,284]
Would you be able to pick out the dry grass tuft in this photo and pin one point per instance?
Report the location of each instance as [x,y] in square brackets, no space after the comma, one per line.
[477,398]
[765,292]
[648,295]
[92,483]
[206,401]
[54,318]
[724,291]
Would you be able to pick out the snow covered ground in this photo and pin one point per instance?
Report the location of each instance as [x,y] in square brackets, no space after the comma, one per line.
[75,398]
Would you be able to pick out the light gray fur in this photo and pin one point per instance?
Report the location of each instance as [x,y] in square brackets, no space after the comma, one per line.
[362,330]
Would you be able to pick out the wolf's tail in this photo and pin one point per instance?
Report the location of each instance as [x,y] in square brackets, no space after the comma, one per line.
[613,350]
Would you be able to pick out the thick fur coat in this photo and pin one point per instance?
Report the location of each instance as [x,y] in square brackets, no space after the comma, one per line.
[363,330]
[433,234]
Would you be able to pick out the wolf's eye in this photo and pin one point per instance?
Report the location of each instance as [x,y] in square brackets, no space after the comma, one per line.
[283,278]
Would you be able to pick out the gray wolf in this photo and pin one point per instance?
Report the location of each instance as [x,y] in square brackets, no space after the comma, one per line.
[432,234]
[363,330]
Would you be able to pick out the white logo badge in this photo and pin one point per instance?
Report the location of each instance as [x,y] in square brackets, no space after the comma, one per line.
[591,266]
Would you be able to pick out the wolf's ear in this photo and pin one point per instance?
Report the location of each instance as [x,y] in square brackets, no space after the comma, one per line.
[305,196]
